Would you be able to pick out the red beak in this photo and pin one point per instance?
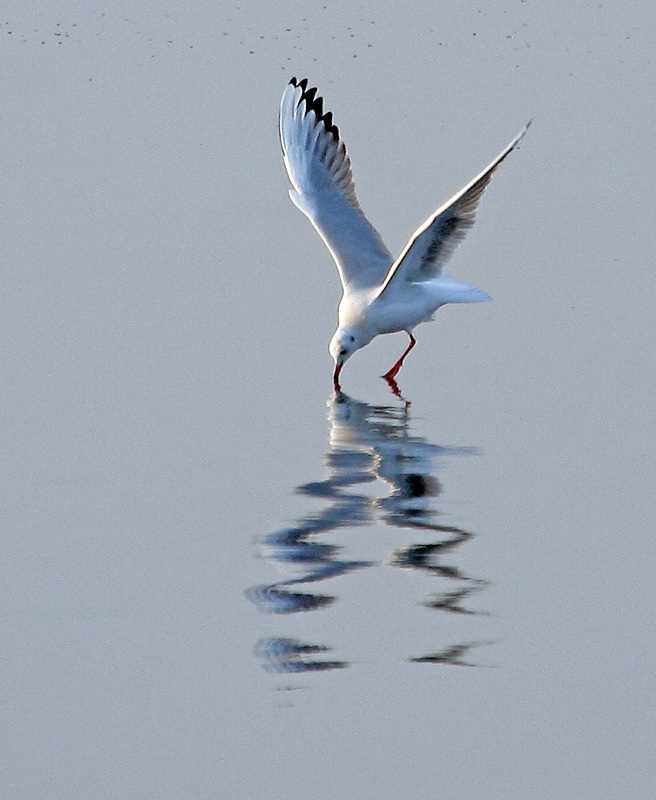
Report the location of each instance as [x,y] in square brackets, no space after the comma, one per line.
[338,369]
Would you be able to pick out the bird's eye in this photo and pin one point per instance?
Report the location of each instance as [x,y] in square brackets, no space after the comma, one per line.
[351,338]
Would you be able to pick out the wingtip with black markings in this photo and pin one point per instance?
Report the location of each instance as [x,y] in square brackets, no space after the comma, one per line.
[314,102]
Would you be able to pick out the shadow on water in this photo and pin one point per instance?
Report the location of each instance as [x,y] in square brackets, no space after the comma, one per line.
[369,447]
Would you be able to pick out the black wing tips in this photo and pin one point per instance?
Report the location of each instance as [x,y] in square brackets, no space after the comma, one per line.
[315,103]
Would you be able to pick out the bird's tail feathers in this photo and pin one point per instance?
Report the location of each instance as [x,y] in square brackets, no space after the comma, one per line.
[455,292]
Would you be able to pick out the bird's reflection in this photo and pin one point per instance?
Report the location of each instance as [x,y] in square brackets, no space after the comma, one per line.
[289,655]
[368,445]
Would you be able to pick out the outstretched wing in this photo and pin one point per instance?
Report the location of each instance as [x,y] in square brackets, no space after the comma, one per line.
[432,243]
[320,172]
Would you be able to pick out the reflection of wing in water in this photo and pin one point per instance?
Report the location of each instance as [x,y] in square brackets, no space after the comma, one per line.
[450,655]
[452,601]
[290,655]
[369,446]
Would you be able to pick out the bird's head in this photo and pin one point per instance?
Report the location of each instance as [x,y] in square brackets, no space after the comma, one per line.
[342,346]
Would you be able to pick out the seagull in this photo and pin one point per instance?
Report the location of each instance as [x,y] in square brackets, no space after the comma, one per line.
[380,294]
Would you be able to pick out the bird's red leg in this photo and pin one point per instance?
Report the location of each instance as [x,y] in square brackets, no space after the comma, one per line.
[391,374]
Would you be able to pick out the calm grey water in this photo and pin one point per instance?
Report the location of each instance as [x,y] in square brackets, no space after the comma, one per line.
[218,580]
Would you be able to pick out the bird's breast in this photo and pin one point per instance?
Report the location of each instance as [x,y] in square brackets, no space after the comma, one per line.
[393,313]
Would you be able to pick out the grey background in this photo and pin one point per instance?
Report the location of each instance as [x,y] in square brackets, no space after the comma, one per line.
[165,317]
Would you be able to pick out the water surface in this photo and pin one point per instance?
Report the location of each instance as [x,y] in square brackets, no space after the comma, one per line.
[216,585]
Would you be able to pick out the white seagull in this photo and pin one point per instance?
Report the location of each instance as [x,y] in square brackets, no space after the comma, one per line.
[381,294]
